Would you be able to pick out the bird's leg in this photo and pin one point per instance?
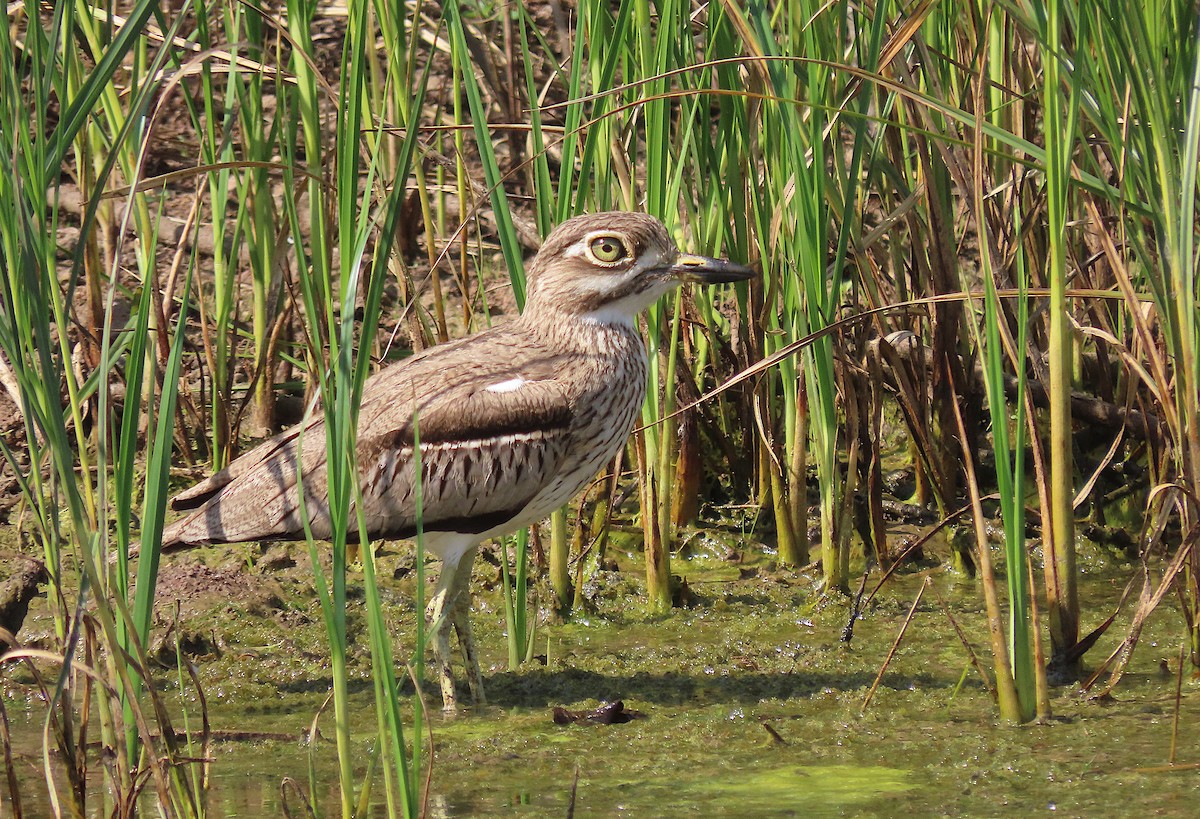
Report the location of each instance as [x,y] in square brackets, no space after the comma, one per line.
[440,622]
[460,615]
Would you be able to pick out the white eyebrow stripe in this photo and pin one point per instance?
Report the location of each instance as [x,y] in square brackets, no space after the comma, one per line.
[511,385]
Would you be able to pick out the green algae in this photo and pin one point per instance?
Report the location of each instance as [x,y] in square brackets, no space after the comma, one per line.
[809,787]
[751,704]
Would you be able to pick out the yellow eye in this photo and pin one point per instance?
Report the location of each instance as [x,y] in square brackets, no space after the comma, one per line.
[608,249]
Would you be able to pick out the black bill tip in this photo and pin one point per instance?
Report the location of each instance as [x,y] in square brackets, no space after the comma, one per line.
[706,270]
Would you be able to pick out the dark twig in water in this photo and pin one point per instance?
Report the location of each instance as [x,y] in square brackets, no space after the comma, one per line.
[775,736]
[856,607]
[574,791]
[14,790]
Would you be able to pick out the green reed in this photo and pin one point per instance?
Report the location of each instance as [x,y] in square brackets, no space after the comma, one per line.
[1141,66]
[795,231]
[520,631]
[218,151]
[80,479]
[344,196]
[1061,574]
[1013,658]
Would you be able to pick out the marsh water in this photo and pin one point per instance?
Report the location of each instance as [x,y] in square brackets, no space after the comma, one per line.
[749,702]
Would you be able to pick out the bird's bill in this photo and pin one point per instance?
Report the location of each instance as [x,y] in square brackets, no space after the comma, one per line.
[704,270]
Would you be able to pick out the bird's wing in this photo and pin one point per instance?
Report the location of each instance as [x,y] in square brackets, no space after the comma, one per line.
[255,497]
[283,445]
[485,454]
[493,430]
[197,495]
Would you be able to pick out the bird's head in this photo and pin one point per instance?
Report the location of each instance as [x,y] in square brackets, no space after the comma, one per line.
[609,266]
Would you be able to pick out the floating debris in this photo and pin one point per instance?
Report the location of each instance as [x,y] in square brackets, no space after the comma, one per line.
[609,713]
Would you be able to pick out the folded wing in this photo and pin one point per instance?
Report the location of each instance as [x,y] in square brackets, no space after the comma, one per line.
[492,434]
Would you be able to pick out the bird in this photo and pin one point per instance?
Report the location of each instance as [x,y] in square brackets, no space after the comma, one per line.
[511,422]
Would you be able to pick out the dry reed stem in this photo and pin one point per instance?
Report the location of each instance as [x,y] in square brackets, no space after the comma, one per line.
[895,645]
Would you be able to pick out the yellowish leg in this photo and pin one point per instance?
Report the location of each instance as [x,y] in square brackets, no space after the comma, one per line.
[439,628]
[449,609]
[460,615]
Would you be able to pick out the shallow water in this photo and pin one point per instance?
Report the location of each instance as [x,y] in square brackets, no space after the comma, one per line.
[751,654]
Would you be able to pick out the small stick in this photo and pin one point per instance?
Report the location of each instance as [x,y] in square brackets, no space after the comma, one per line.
[962,638]
[14,790]
[775,736]
[1178,695]
[574,793]
[895,645]
[856,606]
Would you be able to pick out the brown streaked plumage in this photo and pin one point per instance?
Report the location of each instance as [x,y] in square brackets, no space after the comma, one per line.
[513,421]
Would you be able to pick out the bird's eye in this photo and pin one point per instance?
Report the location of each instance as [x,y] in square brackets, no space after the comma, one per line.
[608,249]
